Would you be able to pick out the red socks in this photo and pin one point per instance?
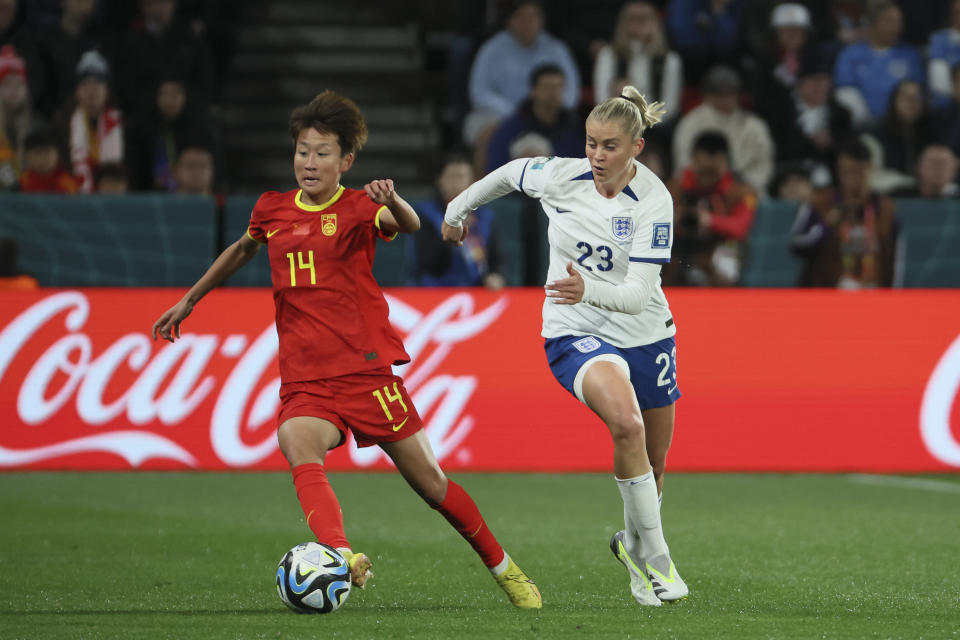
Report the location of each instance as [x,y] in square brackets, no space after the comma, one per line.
[325,518]
[461,511]
[319,504]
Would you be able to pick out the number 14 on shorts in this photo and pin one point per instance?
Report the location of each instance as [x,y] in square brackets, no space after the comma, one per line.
[386,397]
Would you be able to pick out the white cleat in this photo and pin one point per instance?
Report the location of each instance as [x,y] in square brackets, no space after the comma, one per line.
[667,583]
[640,585]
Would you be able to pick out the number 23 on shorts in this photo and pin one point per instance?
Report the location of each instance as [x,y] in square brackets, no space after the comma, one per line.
[385,396]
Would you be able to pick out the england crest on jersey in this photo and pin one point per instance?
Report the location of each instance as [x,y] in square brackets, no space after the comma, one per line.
[622,227]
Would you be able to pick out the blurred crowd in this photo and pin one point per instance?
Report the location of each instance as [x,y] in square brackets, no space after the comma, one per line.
[111,95]
[841,105]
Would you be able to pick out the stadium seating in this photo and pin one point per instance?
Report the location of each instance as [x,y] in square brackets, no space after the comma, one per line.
[163,240]
[134,240]
[769,261]
[931,234]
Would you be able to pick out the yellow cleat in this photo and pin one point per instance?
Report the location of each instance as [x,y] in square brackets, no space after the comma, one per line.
[359,565]
[521,590]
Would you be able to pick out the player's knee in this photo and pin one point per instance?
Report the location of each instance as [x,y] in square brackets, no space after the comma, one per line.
[431,486]
[298,444]
[626,427]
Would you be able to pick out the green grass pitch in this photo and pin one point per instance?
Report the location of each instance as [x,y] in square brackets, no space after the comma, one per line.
[193,555]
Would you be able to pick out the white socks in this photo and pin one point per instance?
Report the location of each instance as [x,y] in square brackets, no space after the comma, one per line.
[500,568]
[641,515]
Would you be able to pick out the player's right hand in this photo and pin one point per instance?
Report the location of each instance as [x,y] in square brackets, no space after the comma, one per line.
[168,325]
[453,235]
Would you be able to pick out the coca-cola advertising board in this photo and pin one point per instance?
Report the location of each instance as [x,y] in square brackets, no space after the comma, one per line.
[771,380]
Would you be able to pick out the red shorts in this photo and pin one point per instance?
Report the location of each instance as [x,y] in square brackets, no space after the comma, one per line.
[374,405]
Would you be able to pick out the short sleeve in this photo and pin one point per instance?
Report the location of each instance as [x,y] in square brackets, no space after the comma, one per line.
[536,176]
[376,223]
[255,228]
[653,238]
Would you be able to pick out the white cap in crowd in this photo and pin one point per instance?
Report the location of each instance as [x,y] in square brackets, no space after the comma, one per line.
[790,14]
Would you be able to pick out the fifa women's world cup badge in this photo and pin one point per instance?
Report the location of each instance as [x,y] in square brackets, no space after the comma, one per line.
[328,222]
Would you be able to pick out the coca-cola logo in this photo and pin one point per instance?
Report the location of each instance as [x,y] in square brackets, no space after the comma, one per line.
[938,399]
[170,382]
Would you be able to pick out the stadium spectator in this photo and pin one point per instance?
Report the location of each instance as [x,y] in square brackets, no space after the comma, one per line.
[543,115]
[95,128]
[13,31]
[43,171]
[751,147]
[59,47]
[947,117]
[943,51]
[439,264]
[111,178]
[215,21]
[809,121]
[713,213]
[848,23]
[793,181]
[757,15]
[866,73]
[656,157]
[585,27]
[639,55]
[155,44]
[155,138]
[194,170]
[847,235]
[704,32]
[779,62]
[15,116]
[500,76]
[936,175]
[904,131]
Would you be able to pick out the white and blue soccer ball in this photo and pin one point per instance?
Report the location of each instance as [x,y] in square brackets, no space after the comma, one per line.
[313,578]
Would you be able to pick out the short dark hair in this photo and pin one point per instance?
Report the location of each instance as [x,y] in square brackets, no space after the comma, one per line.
[515,5]
[41,137]
[711,142]
[112,170]
[548,69]
[330,112]
[453,156]
[854,148]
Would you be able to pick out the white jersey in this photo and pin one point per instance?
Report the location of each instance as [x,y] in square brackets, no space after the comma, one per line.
[601,237]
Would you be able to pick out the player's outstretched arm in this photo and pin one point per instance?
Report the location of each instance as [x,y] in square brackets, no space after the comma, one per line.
[498,182]
[226,264]
[400,216]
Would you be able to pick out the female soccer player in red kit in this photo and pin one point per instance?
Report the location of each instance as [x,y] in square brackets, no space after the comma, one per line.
[336,343]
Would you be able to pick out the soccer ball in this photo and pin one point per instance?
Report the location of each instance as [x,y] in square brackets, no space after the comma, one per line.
[313,578]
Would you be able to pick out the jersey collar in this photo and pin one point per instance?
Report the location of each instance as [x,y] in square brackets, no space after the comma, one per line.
[317,207]
[626,189]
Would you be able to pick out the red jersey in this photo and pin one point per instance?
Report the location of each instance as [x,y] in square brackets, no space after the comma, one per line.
[331,315]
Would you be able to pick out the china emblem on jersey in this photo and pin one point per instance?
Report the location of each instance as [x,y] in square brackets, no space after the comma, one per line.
[622,227]
[328,222]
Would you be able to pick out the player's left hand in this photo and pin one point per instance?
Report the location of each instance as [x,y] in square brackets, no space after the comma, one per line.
[380,191]
[566,291]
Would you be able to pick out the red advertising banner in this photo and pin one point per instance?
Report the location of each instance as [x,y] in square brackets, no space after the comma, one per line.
[772,381]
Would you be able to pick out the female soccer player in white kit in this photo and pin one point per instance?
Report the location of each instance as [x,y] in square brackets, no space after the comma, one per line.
[608,329]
